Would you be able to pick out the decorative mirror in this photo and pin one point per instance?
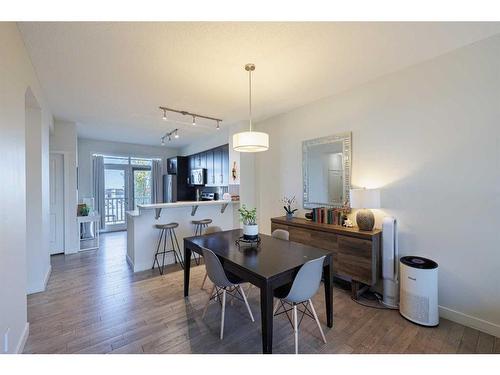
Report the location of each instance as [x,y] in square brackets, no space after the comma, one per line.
[326,168]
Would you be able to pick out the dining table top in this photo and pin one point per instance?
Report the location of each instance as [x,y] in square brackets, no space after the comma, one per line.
[269,259]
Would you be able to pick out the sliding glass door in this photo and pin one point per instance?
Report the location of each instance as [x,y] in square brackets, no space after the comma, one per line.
[127,183]
[141,186]
[116,194]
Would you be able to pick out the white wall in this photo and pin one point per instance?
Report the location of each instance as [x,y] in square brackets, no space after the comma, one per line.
[429,137]
[37,193]
[16,76]
[63,140]
[88,147]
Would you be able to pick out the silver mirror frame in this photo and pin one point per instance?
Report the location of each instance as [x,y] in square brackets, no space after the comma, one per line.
[346,139]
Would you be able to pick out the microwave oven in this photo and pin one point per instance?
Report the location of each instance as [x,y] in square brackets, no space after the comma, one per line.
[198,176]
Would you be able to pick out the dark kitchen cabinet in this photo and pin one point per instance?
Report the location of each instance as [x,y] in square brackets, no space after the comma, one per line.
[225,165]
[172,165]
[218,166]
[216,162]
[209,157]
[200,160]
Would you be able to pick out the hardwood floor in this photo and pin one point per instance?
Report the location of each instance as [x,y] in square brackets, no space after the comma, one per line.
[95,304]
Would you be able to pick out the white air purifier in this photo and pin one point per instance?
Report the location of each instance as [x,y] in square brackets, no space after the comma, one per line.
[419,290]
[390,266]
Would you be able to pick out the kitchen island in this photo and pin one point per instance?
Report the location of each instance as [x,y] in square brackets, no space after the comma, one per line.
[142,236]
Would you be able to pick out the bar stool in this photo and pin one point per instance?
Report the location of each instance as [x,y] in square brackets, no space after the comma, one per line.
[199,225]
[167,230]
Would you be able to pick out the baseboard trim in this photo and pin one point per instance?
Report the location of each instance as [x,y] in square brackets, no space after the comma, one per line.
[470,321]
[47,277]
[23,339]
[129,261]
[43,285]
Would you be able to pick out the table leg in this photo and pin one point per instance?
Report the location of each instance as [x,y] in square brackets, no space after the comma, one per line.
[187,268]
[328,278]
[266,311]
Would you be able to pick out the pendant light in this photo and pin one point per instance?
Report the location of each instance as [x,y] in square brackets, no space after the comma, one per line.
[250,141]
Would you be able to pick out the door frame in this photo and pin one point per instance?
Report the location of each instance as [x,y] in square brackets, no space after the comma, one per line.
[68,227]
[63,202]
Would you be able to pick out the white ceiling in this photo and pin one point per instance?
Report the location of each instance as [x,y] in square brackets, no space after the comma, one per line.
[111,77]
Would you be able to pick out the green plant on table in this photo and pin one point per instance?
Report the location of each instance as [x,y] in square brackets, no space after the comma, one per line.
[248,216]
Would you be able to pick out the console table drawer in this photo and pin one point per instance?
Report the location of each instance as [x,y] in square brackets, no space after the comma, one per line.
[355,258]
[355,253]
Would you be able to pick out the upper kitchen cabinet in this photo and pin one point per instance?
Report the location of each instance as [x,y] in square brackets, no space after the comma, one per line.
[209,157]
[172,165]
[200,160]
[225,165]
[218,166]
[216,162]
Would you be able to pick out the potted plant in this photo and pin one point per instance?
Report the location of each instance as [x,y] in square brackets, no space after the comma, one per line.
[288,203]
[249,219]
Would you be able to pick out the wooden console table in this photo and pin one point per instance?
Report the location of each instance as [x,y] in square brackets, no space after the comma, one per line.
[355,253]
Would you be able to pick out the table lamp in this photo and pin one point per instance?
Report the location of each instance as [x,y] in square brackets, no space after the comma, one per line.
[364,199]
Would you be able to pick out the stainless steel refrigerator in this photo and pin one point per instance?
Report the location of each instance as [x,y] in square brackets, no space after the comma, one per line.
[176,185]
[169,188]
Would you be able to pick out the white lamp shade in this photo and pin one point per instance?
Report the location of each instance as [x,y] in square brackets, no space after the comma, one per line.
[250,142]
[365,198]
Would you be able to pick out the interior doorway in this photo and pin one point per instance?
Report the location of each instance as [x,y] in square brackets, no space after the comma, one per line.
[56,186]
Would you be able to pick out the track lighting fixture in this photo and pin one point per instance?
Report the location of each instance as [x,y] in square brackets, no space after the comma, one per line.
[169,136]
[193,115]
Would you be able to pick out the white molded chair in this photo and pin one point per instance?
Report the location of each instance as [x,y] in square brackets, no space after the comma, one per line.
[281,234]
[303,288]
[210,230]
[222,286]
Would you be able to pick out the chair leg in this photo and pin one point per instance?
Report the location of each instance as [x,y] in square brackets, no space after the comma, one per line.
[223,313]
[246,302]
[295,329]
[181,261]
[276,306]
[204,279]
[317,321]
[249,289]
[208,302]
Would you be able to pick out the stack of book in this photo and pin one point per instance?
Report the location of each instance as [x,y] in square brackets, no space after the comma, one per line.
[327,215]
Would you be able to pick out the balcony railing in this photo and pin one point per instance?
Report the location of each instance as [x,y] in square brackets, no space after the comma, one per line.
[115,208]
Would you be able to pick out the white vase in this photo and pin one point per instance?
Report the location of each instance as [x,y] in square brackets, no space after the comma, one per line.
[250,232]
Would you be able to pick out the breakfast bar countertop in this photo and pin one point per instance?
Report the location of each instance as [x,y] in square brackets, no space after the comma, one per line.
[183,204]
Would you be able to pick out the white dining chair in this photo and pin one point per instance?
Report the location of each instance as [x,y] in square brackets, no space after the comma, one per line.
[210,230]
[223,284]
[303,288]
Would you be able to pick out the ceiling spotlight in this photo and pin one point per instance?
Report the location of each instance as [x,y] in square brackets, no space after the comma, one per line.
[164,115]
[176,136]
[218,125]
[194,120]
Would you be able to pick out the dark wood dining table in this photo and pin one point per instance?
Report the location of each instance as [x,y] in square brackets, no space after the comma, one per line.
[272,264]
